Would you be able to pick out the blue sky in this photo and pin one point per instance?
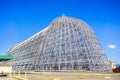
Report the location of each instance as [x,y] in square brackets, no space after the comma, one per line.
[20,19]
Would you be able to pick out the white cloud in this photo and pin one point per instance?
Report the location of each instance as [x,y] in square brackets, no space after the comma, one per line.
[111,46]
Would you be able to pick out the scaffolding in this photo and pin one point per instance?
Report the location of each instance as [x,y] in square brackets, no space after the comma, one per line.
[67,44]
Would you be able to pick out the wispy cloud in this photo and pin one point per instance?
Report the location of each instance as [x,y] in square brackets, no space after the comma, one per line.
[111,46]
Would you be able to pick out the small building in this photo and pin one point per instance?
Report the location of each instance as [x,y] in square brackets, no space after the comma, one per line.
[113,65]
[4,66]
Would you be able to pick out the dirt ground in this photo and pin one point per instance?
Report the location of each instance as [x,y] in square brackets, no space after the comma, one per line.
[70,76]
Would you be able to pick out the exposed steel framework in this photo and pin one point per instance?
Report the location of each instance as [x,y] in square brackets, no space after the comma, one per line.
[67,44]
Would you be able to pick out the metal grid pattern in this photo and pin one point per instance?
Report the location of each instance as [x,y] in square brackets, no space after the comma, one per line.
[67,44]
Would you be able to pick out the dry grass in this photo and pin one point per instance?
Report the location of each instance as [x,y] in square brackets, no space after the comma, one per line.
[70,75]
[79,75]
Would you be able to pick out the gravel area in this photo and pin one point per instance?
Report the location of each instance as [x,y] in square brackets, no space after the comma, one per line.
[115,78]
[68,76]
[6,78]
[71,76]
